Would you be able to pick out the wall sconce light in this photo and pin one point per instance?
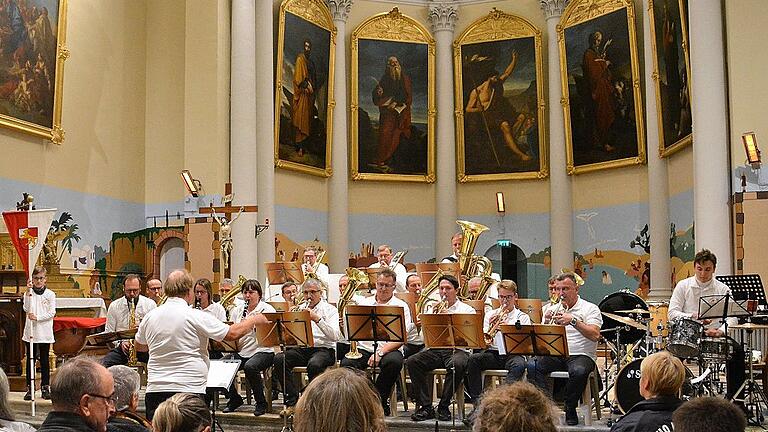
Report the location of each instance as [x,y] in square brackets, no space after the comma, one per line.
[500,207]
[751,149]
[194,187]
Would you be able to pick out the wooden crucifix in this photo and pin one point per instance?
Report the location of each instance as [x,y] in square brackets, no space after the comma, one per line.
[225,222]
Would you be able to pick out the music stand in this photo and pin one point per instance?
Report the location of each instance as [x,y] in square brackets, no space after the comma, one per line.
[281,272]
[452,331]
[532,307]
[746,287]
[285,329]
[411,299]
[280,306]
[537,339]
[221,373]
[374,324]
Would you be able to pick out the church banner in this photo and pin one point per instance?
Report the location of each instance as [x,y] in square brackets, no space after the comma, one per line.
[600,78]
[28,230]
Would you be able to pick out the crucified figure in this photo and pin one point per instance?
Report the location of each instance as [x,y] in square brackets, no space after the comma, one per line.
[225,234]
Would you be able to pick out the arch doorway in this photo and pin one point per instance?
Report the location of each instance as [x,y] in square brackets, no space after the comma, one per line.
[171,256]
[510,263]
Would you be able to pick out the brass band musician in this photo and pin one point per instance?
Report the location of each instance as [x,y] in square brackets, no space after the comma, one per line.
[496,357]
[415,342]
[155,290]
[204,300]
[582,320]
[384,253]
[455,361]
[456,247]
[226,286]
[310,265]
[119,318]
[325,332]
[388,356]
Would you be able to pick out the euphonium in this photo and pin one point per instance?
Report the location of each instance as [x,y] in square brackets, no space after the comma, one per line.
[228,299]
[132,361]
[472,265]
[356,277]
[427,290]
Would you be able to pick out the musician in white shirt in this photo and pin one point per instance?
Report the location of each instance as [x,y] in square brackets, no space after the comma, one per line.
[119,317]
[453,360]
[40,307]
[582,321]
[204,302]
[311,265]
[456,241]
[496,357]
[177,336]
[226,286]
[415,342]
[154,290]
[325,332]
[684,304]
[553,294]
[254,357]
[384,253]
[388,356]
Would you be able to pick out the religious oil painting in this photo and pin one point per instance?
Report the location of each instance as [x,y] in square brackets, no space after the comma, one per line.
[669,29]
[304,94]
[393,101]
[602,105]
[32,54]
[499,89]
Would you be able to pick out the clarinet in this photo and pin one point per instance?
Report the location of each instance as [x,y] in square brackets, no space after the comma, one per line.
[245,309]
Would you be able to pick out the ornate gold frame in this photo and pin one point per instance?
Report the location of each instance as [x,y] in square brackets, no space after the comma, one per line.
[55,133]
[496,26]
[393,26]
[577,12]
[316,12]
[688,139]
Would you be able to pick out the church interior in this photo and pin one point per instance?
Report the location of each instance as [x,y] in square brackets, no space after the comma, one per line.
[144,91]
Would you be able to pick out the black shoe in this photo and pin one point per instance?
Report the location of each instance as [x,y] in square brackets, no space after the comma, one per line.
[275,395]
[571,418]
[233,405]
[260,409]
[46,392]
[424,413]
[469,419]
[28,395]
[387,410]
[443,413]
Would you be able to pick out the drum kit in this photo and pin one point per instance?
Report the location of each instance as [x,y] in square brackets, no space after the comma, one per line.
[633,329]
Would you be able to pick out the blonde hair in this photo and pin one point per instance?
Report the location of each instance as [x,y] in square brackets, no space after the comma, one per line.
[516,407]
[182,412]
[508,285]
[340,400]
[663,373]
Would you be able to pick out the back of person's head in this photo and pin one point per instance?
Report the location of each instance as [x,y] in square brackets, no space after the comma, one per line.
[516,407]
[708,414]
[178,284]
[182,412]
[662,374]
[127,383]
[340,400]
[6,413]
[73,379]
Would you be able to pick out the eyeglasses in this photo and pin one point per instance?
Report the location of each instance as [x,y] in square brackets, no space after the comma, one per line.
[108,399]
[508,297]
[311,292]
[384,285]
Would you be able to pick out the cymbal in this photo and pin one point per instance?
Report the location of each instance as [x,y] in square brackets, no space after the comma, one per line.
[628,321]
[749,326]
[634,311]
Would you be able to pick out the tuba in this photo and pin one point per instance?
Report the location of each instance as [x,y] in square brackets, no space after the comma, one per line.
[472,265]
[356,278]
[228,299]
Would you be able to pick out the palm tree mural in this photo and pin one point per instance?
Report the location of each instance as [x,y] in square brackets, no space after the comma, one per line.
[61,231]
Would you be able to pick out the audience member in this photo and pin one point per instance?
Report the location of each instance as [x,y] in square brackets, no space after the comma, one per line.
[182,412]
[7,423]
[125,418]
[709,414]
[514,407]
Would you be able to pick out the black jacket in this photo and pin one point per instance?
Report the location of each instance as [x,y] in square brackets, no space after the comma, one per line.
[62,421]
[652,415]
[117,424]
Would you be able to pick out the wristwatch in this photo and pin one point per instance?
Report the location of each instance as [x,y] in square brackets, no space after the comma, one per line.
[574,320]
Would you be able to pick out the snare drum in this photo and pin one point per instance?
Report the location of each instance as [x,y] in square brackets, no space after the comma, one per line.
[685,337]
[715,349]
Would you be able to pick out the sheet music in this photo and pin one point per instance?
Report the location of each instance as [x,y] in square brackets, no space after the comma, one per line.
[221,373]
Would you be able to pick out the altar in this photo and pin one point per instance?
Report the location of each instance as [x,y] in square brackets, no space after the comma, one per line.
[89,307]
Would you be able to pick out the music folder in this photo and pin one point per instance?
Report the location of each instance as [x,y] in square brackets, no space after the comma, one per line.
[452,330]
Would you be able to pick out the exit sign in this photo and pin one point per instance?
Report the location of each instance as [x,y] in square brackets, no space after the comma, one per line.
[504,243]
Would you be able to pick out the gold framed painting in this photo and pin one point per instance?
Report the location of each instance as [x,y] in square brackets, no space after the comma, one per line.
[32,54]
[304,102]
[498,74]
[600,78]
[671,73]
[393,100]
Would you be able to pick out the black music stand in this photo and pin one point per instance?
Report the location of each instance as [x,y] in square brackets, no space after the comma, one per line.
[221,373]
[746,287]
[375,324]
[452,331]
[285,329]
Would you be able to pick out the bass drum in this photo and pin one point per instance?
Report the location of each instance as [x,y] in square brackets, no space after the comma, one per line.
[628,385]
[617,301]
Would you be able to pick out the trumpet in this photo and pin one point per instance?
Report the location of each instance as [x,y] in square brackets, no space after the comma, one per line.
[301,306]
[440,306]
[559,309]
[498,319]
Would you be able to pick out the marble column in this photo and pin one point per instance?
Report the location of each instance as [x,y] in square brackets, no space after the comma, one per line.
[561,201]
[243,132]
[658,180]
[442,17]
[265,138]
[711,164]
[338,200]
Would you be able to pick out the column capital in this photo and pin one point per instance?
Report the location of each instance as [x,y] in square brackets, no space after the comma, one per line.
[443,15]
[339,9]
[553,8]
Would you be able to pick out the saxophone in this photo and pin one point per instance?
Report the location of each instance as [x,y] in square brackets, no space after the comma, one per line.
[132,361]
[356,278]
